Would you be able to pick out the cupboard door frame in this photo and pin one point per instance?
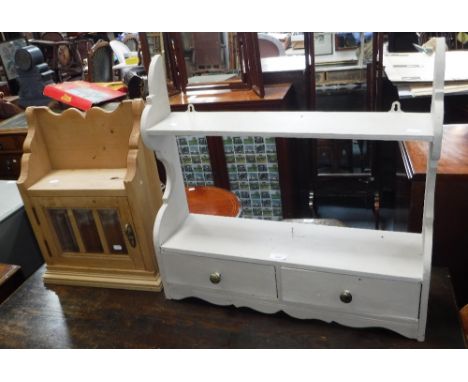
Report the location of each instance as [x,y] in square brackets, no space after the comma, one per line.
[129,260]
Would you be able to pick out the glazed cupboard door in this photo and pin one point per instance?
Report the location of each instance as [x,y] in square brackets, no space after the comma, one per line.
[88,231]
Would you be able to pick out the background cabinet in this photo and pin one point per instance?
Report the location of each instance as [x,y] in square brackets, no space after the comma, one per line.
[12,135]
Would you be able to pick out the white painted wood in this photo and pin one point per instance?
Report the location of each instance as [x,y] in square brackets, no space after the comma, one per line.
[297,268]
[174,209]
[236,276]
[300,124]
[387,298]
[395,255]
[404,326]
[414,67]
[437,112]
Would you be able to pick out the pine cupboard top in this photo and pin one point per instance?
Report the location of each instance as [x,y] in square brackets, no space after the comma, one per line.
[453,160]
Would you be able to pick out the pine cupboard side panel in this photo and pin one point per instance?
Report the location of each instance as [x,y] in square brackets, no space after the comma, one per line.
[145,198]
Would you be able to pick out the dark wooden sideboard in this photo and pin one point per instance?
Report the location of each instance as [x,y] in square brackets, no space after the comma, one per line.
[451,204]
[12,135]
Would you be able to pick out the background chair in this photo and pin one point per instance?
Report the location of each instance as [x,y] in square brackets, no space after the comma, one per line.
[123,52]
[270,46]
[100,62]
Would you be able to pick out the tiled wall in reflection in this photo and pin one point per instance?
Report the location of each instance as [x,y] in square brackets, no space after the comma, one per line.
[195,160]
[252,168]
[253,175]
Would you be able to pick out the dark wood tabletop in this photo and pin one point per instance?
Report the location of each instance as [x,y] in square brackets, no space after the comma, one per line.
[451,201]
[38,316]
[275,95]
[454,156]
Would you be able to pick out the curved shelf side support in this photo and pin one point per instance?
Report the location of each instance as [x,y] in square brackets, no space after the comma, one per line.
[437,114]
[174,209]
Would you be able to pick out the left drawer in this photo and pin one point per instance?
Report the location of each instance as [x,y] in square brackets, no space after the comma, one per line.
[225,275]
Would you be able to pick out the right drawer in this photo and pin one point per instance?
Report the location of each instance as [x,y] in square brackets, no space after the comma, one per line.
[351,294]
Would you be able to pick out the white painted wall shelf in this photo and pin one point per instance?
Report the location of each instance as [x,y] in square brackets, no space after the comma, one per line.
[356,277]
[290,124]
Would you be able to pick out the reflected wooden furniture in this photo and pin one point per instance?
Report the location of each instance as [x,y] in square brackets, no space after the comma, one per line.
[91,192]
[451,204]
[209,200]
[12,135]
[270,46]
[61,54]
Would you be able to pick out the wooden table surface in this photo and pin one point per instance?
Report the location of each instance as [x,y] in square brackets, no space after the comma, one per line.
[36,316]
[222,99]
[451,202]
[454,157]
[209,200]
[6,271]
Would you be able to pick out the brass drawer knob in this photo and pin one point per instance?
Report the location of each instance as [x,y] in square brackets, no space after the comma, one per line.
[346,296]
[215,277]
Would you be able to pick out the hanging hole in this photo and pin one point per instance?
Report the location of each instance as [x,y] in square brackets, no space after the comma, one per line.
[395,106]
[190,108]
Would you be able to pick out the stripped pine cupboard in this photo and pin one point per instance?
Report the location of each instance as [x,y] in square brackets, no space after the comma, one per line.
[91,191]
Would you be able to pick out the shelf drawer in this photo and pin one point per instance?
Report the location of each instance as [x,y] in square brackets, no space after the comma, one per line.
[234,276]
[351,294]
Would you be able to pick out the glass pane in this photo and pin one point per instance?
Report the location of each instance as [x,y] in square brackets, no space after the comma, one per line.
[63,229]
[113,230]
[88,231]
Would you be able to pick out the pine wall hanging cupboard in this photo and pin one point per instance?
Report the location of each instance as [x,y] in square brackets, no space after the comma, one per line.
[356,277]
[91,191]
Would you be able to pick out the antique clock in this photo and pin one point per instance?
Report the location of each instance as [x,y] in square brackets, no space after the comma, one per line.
[33,75]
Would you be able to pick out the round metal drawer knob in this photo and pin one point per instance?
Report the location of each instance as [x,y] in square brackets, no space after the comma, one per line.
[215,277]
[346,296]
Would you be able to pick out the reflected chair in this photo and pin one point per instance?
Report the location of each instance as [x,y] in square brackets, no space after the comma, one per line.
[100,62]
[270,46]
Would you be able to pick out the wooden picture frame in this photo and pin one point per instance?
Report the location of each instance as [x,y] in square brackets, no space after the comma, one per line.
[323,43]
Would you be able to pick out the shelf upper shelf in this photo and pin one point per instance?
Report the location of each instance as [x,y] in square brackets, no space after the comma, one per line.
[371,253]
[397,126]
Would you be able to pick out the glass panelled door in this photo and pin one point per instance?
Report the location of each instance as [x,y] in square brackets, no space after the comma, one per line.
[86,228]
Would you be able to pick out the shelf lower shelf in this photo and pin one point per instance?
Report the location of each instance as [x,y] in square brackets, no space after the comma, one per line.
[383,254]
